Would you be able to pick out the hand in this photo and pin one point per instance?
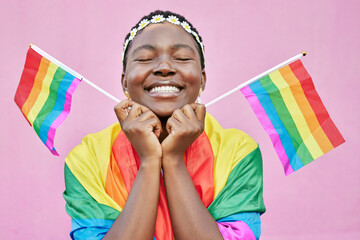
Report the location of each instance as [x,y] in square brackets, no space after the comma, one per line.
[142,127]
[184,127]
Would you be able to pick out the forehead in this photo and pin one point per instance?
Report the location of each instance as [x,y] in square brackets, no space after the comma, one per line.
[162,35]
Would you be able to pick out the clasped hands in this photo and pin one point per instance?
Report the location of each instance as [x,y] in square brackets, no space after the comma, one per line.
[143,129]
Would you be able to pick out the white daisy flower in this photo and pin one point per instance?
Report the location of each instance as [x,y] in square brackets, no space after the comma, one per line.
[143,24]
[172,19]
[186,26]
[133,33]
[157,19]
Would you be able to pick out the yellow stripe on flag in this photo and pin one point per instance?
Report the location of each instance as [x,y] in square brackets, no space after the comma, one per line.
[226,158]
[89,163]
[296,114]
[306,109]
[45,90]
[44,65]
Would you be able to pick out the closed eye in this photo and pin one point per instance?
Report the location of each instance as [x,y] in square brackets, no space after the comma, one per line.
[143,60]
[183,59]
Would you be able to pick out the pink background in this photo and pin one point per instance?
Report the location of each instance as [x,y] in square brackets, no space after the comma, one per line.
[242,39]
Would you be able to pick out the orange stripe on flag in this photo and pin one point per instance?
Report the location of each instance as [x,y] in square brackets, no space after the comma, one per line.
[36,89]
[114,184]
[306,109]
[322,115]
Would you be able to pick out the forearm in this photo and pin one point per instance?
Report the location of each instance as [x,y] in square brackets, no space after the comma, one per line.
[138,218]
[190,219]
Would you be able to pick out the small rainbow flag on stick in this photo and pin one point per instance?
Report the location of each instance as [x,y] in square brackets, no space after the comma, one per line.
[290,110]
[44,93]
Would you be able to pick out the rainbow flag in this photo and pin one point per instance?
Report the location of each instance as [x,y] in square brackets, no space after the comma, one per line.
[44,95]
[225,166]
[292,113]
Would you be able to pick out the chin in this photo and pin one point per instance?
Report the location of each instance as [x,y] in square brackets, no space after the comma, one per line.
[166,110]
[163,112]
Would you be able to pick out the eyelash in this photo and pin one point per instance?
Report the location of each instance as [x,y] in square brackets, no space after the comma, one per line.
[150,59]
[183,59]
[144,60]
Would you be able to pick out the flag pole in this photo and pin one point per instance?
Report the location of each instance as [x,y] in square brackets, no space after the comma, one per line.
[256,78]
[72,72]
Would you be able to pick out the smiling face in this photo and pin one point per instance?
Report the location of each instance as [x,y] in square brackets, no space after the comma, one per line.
[163,70]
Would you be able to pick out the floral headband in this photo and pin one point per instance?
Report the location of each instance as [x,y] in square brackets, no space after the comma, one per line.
[159,19]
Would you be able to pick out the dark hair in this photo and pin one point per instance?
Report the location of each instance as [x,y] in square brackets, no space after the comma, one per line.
[166,14]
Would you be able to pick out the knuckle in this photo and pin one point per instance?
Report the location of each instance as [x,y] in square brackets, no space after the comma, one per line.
[177,111]
[135,106]
[152,120]
[117,107]
[151,114]
[145,108]
[172,121]
[188,106]
[123,103]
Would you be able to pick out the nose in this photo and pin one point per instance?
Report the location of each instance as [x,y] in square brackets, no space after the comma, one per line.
[164,69]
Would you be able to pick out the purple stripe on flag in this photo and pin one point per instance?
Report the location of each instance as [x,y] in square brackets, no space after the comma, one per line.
[54,152]
[236,230]
[269,128]
[62,116]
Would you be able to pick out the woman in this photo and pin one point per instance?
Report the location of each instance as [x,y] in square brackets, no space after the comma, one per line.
[164,173]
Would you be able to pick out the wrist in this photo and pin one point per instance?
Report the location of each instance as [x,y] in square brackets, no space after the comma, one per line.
[152,163]
[172,161]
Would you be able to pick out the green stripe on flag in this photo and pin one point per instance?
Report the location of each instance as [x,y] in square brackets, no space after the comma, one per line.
[243,189]
[50,101]
[79,203]
[286,119]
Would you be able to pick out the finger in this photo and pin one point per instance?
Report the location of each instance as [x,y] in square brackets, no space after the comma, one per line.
[179,116]
[171,124]
[189,112]
[120,109]
[150,115]
[137,110]
[200,111]
[147,115]
[155,124]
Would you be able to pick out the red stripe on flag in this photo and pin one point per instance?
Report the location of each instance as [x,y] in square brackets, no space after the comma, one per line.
[31,67]
[200,165]
[321,113]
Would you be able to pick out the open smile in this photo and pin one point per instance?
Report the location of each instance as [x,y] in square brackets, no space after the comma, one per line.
[166,90]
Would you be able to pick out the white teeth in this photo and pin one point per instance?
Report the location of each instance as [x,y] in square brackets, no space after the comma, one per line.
[164,89]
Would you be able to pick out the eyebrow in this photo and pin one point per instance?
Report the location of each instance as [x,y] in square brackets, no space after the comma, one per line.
[179,46]
[146,46]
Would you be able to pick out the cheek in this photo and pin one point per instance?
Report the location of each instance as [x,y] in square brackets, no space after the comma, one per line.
[136,76]
[193,82]
[192,76]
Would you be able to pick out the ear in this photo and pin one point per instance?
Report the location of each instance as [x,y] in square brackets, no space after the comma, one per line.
[123,82]
[203,80]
